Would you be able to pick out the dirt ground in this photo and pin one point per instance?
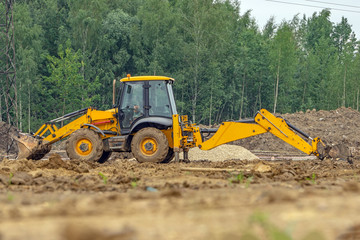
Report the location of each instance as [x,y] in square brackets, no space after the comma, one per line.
[122,199]
[63,199]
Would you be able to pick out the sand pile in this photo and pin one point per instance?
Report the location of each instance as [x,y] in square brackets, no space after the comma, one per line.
[221,153]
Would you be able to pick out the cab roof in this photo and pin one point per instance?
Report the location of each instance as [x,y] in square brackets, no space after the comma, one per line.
[145,78]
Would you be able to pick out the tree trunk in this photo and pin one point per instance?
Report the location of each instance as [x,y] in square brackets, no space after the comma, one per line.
[259,92]
[0,109]
[219,115]
[277,83]
[344,90]
[242,96]
[20,107]
[234,99]
[357,100]
[182,100]
[211,98]
[304,93]
[194,101]
[29,116]
[63,112]
[194,108]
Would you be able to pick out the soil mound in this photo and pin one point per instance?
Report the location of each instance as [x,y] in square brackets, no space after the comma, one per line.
[6,143]
[334,127]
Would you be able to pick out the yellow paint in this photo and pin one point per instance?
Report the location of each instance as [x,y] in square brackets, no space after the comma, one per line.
[146,78]
[177,137]
[231,131]
[92,116]
[169,135]
[84,147]
[148,146]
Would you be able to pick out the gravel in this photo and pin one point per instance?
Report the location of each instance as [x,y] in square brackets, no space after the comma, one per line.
[221,153]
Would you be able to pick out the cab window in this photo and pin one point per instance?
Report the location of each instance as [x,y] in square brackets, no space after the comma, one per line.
[159,100]
[132,105]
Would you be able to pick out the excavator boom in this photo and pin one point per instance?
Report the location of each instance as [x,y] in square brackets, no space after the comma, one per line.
[263,122]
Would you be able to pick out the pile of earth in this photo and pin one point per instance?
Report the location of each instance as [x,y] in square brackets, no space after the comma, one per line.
[340,126]
[6,143]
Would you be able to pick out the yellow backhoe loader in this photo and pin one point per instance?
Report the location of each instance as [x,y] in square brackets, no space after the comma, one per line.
[144,121]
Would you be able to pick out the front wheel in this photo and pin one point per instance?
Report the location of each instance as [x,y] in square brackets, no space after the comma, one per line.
[150,145]
[85,144]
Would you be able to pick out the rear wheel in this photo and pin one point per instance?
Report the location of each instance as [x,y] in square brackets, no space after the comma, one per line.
[150,145]
[84,144]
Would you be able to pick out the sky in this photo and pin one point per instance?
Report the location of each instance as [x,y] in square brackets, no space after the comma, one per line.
[262,10]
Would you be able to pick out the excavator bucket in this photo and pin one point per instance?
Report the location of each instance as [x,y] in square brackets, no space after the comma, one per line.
[339,151]
[30,147]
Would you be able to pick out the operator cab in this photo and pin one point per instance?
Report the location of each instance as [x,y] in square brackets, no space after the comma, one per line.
[146,100]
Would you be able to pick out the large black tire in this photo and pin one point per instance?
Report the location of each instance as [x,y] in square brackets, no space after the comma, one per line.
[104,157]
[169,156]
[84,144]
[150,145]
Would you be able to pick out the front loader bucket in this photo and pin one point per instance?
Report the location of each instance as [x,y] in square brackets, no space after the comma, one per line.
[30,147]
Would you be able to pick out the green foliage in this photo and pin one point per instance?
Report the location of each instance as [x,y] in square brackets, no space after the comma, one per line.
[268,230]
[104,178]
[10,178]
[261,225]
[283,63]
[10,197]
[66,82]
[69,51]
[241,179]
[312,179]
[134,183]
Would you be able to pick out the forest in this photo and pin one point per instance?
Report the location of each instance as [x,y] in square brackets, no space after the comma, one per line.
[225,66]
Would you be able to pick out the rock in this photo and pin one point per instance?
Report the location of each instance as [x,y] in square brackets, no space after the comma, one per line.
[260,167]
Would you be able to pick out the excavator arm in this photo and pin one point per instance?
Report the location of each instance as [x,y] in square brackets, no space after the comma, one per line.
[263,122]
[188,135]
